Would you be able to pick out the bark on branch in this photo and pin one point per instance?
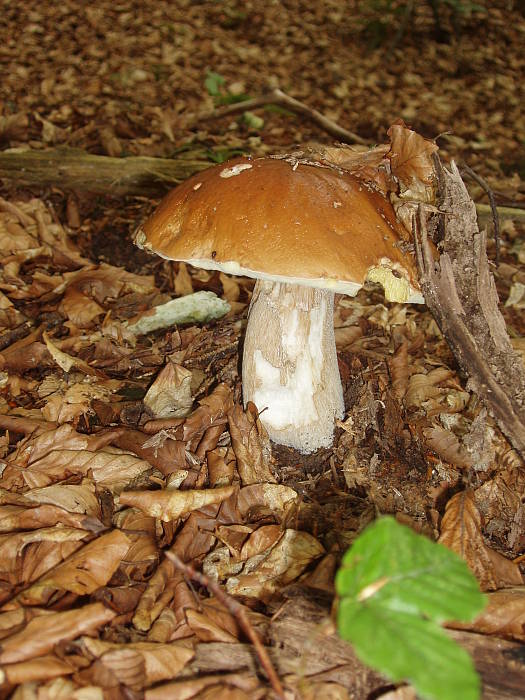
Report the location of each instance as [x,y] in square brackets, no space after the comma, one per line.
[73,169]
[459,290]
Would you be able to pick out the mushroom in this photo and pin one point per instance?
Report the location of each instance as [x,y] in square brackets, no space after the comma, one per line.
[304,230]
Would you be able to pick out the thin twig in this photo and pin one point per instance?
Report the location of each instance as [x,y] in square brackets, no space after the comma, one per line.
[240,615]
[281,99]
[495,216]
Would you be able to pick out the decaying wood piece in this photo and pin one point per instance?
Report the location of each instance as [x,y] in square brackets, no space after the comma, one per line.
[460,291]
[74,169]
[304,647]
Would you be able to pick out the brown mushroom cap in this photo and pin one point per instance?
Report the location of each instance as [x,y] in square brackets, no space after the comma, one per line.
[283,220]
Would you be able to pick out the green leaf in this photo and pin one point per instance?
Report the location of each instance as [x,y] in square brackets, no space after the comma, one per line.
[213,83]
[252,120]
[395,588]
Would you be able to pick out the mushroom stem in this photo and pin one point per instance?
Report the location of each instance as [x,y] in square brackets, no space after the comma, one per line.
[290,369]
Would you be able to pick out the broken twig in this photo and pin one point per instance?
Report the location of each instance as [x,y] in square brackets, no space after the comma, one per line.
[460,292]
[240,615]
[279,98]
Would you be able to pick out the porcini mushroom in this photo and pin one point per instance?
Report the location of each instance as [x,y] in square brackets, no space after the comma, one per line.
[304,230]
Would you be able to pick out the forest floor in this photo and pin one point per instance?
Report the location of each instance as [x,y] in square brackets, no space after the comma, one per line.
[90,606]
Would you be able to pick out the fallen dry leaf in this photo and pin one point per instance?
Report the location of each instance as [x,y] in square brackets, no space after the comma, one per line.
[41,669]
[170,394]
[171,504]
[211,408]
[294,551]
[503,616]
[161,661]
[80,309]
[41,633]
[411,161]
[251,445]
[445,444]
[87,569]
[461,532]
[25,556]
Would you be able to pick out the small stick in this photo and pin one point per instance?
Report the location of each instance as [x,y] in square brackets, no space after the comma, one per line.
[495,217]
[278,97]
[240,615]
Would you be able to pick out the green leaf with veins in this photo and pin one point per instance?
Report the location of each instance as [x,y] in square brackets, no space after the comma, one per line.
[395,589]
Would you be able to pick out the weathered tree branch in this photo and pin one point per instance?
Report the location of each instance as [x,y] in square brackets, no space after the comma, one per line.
[459,290]
[73,169]
[279,98]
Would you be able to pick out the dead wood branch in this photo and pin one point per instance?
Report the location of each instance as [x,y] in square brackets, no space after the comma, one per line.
[73,169]
[280,99]
[459,290]
[303,648]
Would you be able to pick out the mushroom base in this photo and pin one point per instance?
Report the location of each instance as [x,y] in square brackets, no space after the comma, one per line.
[290,369]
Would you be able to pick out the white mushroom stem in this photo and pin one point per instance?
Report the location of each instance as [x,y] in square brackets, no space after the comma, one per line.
[290,369]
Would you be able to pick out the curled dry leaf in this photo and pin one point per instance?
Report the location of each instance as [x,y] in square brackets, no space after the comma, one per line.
[143,552]
[73,398]
[461,532]
[370,165]
[25,556]
[44,440]
[294,551]
[25,358]
[260,500]
[206,629]
[14,126]
[80,309]
[345,336]
[46,515]
[106,281]
[422,387]
[211,408]
[399,371]
[109,467]
[160,450]
[164,627]
[170,394]
[41,633]
[251,445]
[161,661]
[65,361]
[221,466]
[183,283]
[504,615]
[83,572]
[170,505]
[116,667]
[411,162]
[42,669]
[231,288]
[447,446]
[73,498]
